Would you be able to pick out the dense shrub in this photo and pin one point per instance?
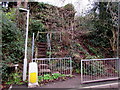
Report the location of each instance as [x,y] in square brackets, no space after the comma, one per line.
[12,45]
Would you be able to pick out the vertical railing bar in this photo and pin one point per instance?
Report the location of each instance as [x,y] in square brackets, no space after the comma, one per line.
[51,65]
[70,66]
[81,72]
[60,66]
[85,65]
[117,73]
[43,66]
[92,70]
[93,74]
[55,65]
[89,73]
[100,69]
[40,67]
[97,64]
[64,66]
[51,61]
[83,68]
[107,69]
[113,71]
[104,74]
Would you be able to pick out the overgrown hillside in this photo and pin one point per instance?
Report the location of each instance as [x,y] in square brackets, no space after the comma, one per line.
[79,38]
[82,37]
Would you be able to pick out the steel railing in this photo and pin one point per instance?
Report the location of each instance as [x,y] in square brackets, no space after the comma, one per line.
[99,69]
[54,65]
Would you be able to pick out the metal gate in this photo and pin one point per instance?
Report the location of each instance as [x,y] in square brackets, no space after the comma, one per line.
[54,65]
[99,69]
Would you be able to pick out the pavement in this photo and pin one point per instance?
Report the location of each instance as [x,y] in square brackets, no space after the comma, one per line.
[75,84]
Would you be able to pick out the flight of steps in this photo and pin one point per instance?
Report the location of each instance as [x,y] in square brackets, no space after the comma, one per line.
[42,49]
[43,66]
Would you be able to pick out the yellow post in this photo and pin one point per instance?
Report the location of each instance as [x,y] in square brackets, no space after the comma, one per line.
[33,74]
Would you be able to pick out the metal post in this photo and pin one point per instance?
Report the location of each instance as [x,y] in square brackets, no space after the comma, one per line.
[26,39]
[81,72]
[70,66]
[32,47]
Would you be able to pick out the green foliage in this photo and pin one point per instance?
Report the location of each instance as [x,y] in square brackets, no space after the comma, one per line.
[49,53]
[81,48]
[15,78]
[35,26]
[105,24]
[12,44]
[40,78]
[56,75]
[95,51]
[11,14]
[47,77]
[77,71]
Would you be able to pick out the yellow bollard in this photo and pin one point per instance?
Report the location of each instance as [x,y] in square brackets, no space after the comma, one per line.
[33,75]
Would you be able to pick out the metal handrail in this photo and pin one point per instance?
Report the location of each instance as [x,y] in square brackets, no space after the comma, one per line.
[51,58]
[99,59]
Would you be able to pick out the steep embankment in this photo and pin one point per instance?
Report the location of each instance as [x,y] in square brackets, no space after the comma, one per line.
[71,43]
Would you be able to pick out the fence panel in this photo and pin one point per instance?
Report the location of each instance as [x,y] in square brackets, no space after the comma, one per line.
[99,69]
[54,65]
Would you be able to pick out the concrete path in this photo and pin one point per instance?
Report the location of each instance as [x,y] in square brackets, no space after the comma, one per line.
[71,83]
[75,83]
